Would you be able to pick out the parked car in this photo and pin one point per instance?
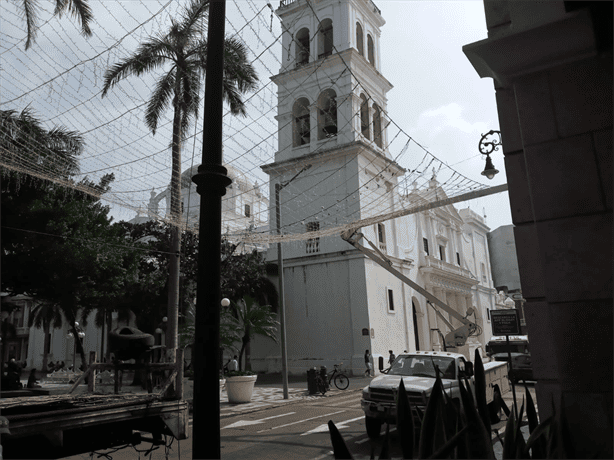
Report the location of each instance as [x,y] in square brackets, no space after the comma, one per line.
[522,368]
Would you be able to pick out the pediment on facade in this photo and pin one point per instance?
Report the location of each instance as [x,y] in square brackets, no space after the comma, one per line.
[447,214]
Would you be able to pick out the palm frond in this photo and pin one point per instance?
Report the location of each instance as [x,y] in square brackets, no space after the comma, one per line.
[30,14]
[160,100]
[149,56]
[193,16]
[78,8]
[237,66]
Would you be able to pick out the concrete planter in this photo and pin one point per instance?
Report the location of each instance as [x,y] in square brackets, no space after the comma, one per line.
[240,388]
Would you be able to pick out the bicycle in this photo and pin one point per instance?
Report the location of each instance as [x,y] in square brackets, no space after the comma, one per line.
[341,380]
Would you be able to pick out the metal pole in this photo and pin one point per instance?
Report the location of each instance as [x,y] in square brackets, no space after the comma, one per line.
[509,355]
[282,313]
[211,182]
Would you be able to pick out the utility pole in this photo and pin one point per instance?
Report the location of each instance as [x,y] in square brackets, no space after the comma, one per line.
[280,269]
[211,182]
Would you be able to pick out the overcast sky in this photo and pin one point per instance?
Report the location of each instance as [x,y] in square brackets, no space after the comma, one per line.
[438,99]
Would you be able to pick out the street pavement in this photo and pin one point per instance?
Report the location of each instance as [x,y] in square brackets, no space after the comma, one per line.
[271,427]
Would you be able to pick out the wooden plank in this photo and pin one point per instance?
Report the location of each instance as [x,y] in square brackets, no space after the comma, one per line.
[75,400]
[64,420]
[167,383]
[80,379]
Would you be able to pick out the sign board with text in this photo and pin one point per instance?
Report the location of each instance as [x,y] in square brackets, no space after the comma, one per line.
[505,322]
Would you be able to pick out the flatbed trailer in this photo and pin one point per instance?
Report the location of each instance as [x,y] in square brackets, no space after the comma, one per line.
[56,426]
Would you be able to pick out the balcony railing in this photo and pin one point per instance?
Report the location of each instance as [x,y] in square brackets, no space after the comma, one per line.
[284,3]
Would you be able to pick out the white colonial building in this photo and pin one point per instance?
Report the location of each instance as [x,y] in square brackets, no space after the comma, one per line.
[244,207]
[333,143]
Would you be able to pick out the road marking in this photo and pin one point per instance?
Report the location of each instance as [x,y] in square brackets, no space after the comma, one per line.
[300,421]
[323,428]
[328,454]
[254,422]
[362,441]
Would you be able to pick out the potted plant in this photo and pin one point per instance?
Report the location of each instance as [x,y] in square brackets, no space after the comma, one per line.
[251,319]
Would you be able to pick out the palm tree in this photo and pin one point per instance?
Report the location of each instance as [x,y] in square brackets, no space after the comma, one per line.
[45,315]
[185,50]
[24,142]
[253,319]
[78,8]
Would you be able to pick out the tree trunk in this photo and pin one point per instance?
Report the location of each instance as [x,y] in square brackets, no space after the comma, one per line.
[47,332]
[175,249]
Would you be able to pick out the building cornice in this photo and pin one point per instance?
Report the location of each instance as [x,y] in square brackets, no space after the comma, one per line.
[522,52]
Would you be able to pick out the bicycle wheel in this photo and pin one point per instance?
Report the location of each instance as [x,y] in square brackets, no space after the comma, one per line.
[342,381]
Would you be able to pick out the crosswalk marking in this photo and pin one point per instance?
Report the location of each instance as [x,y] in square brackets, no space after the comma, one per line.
[339,425]
[300,421]
[254,422]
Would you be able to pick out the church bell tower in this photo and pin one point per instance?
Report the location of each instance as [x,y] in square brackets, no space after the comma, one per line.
[334,168]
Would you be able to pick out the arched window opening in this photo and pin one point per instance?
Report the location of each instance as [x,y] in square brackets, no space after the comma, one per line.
[359,40]
[302,47]
[364,116]
[377,126]
[302,123]
[327,114]
[381,236]
[370,50]
[325,39]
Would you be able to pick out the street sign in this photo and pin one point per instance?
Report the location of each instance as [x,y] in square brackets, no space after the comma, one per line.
[505,322]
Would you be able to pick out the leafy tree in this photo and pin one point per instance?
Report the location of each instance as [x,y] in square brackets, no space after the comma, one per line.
[78,8]
[245,274]
[185,50]
[58,243]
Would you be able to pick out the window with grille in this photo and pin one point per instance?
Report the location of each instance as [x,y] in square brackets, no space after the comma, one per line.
[458,259]
[248,210]
[313,244]
[425,242]
[442,253]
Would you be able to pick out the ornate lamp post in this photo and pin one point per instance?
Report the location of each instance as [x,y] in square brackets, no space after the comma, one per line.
[487,145]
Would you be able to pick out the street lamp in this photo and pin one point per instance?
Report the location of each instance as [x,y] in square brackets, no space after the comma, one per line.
[486,147]
[280,269]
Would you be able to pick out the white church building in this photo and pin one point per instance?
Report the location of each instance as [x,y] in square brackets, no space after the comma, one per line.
[332,130]
[332,144]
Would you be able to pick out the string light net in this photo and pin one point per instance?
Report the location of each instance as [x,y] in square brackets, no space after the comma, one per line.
[60,79]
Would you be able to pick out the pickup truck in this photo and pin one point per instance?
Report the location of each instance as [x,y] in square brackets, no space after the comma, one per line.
[418,373]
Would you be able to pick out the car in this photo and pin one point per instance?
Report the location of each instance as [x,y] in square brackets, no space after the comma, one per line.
[522,368]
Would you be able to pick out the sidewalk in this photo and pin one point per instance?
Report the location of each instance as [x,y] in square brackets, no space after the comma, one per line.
[268,392]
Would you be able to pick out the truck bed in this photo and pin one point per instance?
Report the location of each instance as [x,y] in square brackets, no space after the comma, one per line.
[69,420]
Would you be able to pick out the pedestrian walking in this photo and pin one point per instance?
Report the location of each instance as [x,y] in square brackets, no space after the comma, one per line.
[391,358]
[368,364]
